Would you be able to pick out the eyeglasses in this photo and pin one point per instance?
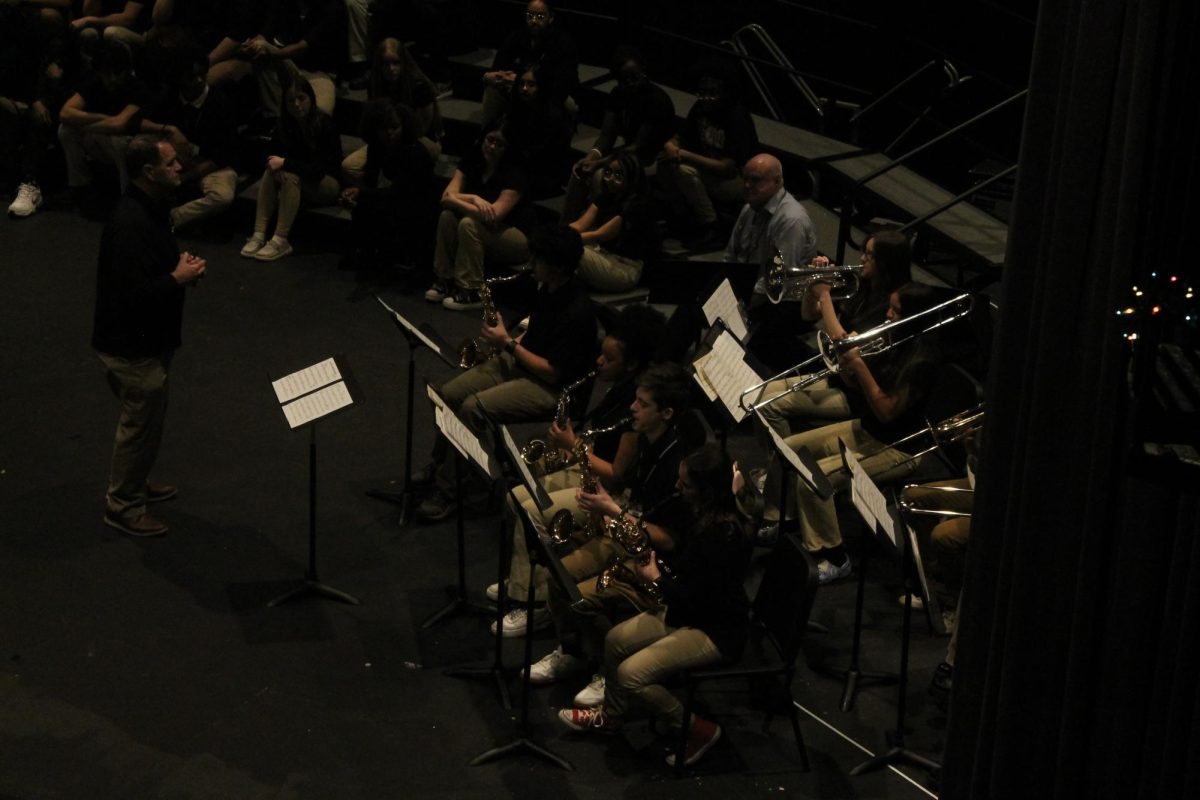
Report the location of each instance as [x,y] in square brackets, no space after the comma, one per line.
[536,16]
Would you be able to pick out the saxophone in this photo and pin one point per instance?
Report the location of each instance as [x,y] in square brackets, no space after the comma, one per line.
[562,524]
[632,536]
[477,350]
[536,450]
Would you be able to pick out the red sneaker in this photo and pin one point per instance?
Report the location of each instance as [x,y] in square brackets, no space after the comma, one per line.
[592,720]
[704,734]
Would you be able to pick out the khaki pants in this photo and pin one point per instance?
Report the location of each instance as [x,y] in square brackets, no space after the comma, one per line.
[78,145]
[699,188]
[561,486]
[608,272]
[219,188]
[282,190]
[141,386]
[639,654]
[464,242]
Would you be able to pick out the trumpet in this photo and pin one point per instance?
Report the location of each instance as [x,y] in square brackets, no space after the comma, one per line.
[790,282]
[476,350]
[878,340]
[536,450]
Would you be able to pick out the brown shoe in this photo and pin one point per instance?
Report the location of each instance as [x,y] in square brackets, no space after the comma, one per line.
[145,525]
[157,492]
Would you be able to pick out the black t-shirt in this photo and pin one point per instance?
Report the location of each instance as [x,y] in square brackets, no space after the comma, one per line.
[653,479]
[914,372]
[638,238]
[324,27]
[101,99]
[644,116]
[613,407]
[562,329]
[507,175]
[555,51]
[724,131]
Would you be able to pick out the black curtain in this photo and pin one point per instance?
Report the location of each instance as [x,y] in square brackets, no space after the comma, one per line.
[1079,654]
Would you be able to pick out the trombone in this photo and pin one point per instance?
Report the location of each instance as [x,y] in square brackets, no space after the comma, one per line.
[958,428]
[788,282]
[878,340]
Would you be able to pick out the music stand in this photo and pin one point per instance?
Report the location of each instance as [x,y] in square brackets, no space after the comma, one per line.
[306,396]
[722,373]
[467,444]
[415,335]
[540,552]
[872,506]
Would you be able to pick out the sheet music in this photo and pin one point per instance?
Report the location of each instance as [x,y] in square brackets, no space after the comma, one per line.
[702,379]
[317,404]
[723,304]
[866,497]
[408,326]
[788,453]
[729,374]
[323,373]
[463,439]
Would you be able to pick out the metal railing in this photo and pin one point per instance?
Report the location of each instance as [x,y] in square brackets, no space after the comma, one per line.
[758,34]
[848,205]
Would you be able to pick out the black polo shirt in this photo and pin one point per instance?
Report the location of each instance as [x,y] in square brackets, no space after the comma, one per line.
[652,482]
[612,408]
[562,330]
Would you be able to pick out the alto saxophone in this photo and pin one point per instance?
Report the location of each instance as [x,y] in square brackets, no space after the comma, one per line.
[631,534]
[476,350]
[562,524]
[536,450]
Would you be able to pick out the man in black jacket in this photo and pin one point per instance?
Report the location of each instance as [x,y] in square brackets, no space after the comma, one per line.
[139,310]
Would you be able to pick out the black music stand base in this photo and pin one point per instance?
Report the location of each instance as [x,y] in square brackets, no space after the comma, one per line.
[405,499]
[852,675]
[896,757]
[314,586]
[458,604]
[518,746]
[484,672]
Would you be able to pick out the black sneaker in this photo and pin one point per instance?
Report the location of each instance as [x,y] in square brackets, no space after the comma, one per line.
[463,300]
[438,292]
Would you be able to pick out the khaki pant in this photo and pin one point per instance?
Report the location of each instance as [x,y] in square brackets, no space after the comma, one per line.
[141,386]
[78,145]
[608,272]
[699,188]
[282,191]
[561,487]
[464,242]
[948,536]
[639,654]
[219,188]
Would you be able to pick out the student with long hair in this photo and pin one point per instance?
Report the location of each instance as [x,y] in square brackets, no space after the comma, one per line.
[306,153]
[618,228]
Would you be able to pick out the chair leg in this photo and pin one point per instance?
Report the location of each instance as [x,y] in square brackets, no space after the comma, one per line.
[800,745]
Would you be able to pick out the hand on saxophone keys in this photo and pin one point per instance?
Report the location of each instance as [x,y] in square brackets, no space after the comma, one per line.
[649,570]
[496,335]
[599,502]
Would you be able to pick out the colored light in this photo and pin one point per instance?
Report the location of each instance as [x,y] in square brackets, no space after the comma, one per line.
[1155,310]
[1173,279]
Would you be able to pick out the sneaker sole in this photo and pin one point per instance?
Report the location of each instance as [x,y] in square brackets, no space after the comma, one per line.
[517,633]
[123,528]
[565,716]
[274,257]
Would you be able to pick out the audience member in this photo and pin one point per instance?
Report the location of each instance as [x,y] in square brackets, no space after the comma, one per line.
[484,215]
[540,133]
[618,229]
[395,195]
[29,109]
[306,153]
[638,112]
[541,42]
[125,21]
[189,23]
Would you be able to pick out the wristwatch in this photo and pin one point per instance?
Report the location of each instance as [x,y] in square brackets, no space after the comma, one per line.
[510,346]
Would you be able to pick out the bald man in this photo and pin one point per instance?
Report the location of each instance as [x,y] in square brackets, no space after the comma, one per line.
[771,220]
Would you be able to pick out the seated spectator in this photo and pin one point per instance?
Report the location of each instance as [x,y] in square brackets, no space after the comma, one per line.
[484,216]
[29,106]
[189,23]
[618,229]
[296,38]
[540,133]
[396,77]
[700,166]
[306,153]
[395,195]
[541,42]
[125,21]
[639,113]
[99,119]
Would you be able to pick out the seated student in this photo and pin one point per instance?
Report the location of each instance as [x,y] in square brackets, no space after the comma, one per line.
[395,196]
[525,377]
[541,42]
[540,133]
[395,76]
[484,214]
[649,496]
[638,112]
[706,615]
[189,23]
[625,351]
[199,120]
[306,153]
[618,228]
[102,116]
[30,100]
[700,166]
[124,21]
[887,399]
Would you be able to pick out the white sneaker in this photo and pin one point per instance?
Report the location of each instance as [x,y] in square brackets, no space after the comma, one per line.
[592,695]
[29,197]
[493,592]
[273,250]
[554,667]
[252,246]
[515,622]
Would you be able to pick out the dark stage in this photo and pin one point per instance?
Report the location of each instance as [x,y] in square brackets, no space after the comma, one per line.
[152,668]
